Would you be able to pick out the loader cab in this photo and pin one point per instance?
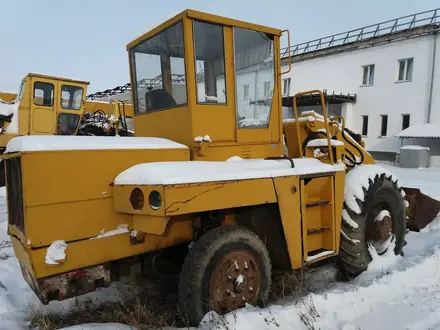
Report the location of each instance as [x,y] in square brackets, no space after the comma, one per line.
[50,105]
[211,83]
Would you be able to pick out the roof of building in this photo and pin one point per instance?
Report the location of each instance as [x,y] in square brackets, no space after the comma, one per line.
[421,131]
[400,28]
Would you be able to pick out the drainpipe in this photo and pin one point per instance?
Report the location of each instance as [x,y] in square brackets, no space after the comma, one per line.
[431,83]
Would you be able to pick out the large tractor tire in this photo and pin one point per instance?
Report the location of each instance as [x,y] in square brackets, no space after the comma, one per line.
[226,268]
[374,218]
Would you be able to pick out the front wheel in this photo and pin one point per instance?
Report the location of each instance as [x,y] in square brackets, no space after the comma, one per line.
[228,267]
[373,217]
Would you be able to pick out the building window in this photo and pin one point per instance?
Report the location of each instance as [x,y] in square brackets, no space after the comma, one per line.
[405,69]
[405,121]
[210,62]
[246,92]
[266,89]
[368,75]
[384,126]
[364,125]
[286,87]
[43,94]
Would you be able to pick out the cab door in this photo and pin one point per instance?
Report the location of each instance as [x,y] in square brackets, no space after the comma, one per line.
[256,81]
[42,106]
[213,109]
[70,108]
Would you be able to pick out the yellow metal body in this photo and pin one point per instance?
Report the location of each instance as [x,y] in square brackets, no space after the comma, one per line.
[37,116]
[59,204]
[110,108]
[184,124]
[7,97]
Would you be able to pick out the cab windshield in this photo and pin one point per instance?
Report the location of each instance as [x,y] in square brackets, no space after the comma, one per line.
[158,66]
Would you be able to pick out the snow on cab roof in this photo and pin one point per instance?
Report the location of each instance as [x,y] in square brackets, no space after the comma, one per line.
[162,173]
[60,142]
[420,131]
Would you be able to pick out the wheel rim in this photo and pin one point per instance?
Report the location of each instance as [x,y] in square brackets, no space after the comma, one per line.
[235,282]
[380,228]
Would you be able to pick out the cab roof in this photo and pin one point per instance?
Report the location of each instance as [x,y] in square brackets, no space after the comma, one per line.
[37,75]
[189,13]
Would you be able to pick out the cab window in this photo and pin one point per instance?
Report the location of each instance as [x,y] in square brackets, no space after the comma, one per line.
[20,93]
[159,76]
[43,94]
[254,77]
[67,123]
[71,97]
[210,63]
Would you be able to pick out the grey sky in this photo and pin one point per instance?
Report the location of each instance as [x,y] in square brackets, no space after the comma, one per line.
[86,39]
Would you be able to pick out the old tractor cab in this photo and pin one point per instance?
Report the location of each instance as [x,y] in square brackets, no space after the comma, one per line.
[210,83]
[45,105]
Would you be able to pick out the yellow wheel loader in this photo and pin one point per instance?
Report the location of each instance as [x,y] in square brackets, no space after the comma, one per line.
[204,183]
[48,105]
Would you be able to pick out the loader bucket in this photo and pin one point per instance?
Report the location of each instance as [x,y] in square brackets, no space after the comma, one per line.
[422,209]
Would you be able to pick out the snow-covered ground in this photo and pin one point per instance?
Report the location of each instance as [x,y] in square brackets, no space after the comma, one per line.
[394,293]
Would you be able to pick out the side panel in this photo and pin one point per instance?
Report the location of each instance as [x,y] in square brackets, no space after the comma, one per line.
[289,203]
[66,202]
[183,199]
[85,253]
[198,197]
[173,124]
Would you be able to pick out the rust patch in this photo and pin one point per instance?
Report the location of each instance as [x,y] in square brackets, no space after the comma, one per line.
[72,284]
[235,281]
[137,237]
[318,230]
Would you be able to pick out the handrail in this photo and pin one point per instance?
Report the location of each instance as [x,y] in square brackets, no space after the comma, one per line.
[382,29]
[324,113]
[288,46]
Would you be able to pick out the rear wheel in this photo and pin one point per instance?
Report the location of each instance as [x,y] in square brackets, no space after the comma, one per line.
[228,267]
[380,224]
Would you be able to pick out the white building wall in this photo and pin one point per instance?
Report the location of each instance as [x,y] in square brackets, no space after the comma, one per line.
[342,73]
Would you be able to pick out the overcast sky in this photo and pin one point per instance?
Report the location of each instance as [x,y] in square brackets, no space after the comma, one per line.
[86,39]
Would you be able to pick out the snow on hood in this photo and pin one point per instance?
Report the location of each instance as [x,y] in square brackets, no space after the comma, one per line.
[205,171]
[7,109]
[61,142]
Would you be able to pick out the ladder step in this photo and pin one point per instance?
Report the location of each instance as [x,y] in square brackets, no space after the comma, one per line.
[318,203]
[314,231]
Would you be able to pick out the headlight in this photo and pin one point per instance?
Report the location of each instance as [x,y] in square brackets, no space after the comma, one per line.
[155,200]
[137,199]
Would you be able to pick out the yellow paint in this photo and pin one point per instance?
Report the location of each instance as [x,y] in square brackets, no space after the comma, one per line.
[150,224]
[89,252]
[289,200]
[7,97]
[123,110]
[184,123]
[37,119]
[63,203]
[86,207]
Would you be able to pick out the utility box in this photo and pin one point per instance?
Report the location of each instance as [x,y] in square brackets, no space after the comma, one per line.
[413,156]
